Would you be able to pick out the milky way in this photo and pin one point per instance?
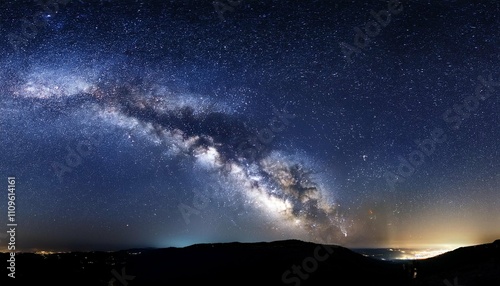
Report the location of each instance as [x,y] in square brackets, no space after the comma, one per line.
[237,154]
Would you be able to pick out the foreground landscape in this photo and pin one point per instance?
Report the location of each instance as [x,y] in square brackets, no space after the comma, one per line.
[290,262]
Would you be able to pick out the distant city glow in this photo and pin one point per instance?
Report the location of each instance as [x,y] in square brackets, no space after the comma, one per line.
[422,254]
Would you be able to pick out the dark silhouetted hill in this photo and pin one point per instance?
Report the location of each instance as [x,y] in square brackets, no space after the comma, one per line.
[288,262]
[472,266]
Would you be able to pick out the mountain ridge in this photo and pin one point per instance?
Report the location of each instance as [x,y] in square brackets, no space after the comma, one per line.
[285,262]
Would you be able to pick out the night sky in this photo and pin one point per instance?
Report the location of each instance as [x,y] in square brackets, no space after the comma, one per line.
[169,123]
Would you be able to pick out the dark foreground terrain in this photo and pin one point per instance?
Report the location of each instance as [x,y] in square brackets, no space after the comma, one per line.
[277,263]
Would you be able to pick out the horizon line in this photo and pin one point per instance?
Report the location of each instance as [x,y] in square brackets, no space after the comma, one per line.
[416,246]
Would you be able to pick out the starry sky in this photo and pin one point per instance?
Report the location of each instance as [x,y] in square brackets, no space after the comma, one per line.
[169,123]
